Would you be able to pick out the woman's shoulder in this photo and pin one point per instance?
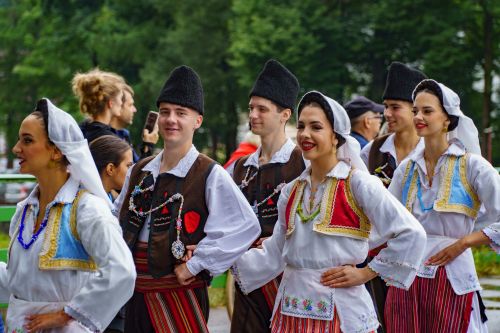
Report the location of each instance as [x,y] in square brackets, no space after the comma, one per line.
[89,203]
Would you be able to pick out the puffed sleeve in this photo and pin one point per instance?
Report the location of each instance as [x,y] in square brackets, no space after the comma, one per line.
[113,284]
[259,266]
[14,222]
[391,222]
[230,229]
[485,181]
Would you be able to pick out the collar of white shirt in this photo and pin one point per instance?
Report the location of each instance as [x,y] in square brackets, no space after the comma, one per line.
[339,171]
[180,170]
[388,147]
[281,156]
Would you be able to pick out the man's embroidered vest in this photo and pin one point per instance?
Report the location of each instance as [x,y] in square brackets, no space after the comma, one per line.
[162,225]
[339,213]
[268,177]
[455,194]
[62,248]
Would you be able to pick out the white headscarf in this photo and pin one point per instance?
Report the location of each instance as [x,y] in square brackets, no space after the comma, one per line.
[350,150]
[67,136]
[466,132]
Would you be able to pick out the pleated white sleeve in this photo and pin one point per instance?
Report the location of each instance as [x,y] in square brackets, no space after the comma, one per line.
[485,181]
[230,229]
[257,267]
[105,292]
[391,222]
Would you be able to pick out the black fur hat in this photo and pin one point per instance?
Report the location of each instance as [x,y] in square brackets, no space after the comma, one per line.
[401,80]
[277,84]
[183,87]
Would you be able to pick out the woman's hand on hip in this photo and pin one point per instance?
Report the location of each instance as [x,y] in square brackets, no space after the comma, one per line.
[44,321]
[346,276]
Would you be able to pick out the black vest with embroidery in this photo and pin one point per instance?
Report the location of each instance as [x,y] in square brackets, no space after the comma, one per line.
[268,177]
[162,225]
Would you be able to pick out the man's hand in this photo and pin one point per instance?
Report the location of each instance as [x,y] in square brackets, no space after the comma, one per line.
[150,137]
[189,252]
[184,276]
[37,322]
[346,276]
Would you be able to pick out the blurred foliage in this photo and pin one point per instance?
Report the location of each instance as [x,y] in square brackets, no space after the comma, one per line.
[487,261]
[341,47]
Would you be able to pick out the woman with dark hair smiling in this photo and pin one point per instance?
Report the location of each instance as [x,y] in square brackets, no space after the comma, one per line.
[69,269]
[444,186]
[328,218]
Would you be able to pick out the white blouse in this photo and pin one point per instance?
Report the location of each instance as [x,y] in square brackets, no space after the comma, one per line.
[306,249]
[444,228]
[231,226]
[93,298]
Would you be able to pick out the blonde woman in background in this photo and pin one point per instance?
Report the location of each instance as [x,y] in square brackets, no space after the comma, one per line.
[101,97]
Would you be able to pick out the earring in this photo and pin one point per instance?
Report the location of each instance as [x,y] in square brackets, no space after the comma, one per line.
[445,129]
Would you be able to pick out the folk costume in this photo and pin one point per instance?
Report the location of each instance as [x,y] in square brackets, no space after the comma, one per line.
[77,260]
[195,203]
[261,185]
[381,158]
[444,299]
[351,213]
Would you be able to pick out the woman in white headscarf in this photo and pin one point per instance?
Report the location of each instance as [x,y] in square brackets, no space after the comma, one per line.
[328,219]
[69,269]
[444,186]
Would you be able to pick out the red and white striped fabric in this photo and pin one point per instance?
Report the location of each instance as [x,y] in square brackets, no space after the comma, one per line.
[430,305]
[172,307]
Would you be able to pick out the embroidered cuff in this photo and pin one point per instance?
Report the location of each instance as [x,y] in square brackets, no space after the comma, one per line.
[400,275]
[494,236]
[82,319]
[237,278]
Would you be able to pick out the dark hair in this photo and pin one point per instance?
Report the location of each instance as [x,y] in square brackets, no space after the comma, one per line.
[315,98]
[41,112]
[432,87]
[108,149]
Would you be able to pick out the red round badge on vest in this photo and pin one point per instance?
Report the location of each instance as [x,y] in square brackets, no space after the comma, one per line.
[191,221]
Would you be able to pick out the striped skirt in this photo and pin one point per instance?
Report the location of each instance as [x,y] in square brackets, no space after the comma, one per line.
[162,305]
[430,305]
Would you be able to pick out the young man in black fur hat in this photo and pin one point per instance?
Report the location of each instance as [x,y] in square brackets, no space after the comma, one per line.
[175,203]
[383,155]
[261,176]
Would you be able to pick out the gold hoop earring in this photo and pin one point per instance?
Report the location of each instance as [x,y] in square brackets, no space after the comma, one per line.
[445,129]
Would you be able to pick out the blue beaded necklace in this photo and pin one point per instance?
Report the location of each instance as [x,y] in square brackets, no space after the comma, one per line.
[35,235]
[419,196]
